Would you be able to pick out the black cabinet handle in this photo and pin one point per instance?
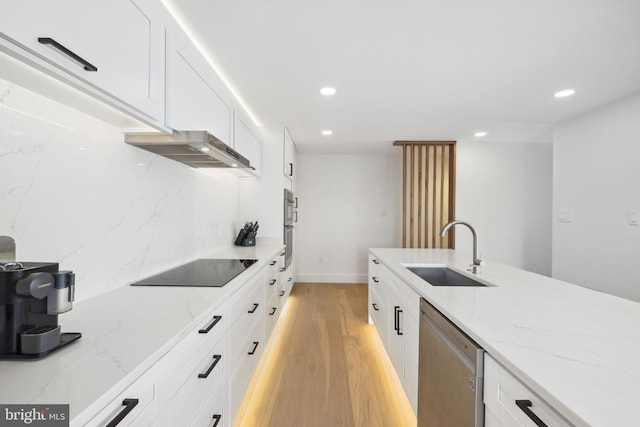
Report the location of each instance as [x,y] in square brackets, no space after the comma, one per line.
[289,279]
[295,215]
[255,307]
[273,263]
[296,204]
[375,307]
[524,405]
[290,169]
[375,261]
[216,417]
[396,319]
[273,311]
[210,326]
[375,279]
[216,359]
[273,282]
[85,64]
[255,347]
[282,270]
[128,404]
[281,293]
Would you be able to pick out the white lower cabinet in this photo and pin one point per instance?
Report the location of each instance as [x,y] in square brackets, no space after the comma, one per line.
[508,402]
[272,311]
[202,380]
[192,368]
[378,310]
[246,339]
[397,322]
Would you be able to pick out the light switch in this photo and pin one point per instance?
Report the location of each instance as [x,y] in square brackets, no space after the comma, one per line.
[565,216]
[634,217]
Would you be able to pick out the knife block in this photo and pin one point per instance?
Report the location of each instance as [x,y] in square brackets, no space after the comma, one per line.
[246,239]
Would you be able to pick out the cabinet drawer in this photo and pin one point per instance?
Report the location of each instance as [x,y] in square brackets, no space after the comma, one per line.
[136,403]
[501,392]
[377,312]
[212,412]
[243,338]
[245,300]
[273,267]
[204,376]
[271,288]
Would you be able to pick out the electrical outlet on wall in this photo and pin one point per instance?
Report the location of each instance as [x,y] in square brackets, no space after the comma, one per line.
[565,216]
[634,216]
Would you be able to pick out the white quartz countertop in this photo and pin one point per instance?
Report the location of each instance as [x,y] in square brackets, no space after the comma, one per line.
[124,332]
[576,348]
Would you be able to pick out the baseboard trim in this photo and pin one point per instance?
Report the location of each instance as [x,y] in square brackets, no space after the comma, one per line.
[331,278]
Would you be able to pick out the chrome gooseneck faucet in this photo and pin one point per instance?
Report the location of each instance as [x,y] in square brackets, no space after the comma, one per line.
[475,267]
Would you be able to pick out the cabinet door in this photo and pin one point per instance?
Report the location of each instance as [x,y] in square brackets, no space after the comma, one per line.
[378,312]
[501,394]
[289,156]
[248,144]
[395,334]
[196,97]
[122,39]
[411,351]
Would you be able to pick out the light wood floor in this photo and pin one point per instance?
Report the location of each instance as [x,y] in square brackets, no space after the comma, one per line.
[325,366]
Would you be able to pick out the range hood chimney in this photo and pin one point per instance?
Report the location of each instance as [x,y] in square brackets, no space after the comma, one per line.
[198,149]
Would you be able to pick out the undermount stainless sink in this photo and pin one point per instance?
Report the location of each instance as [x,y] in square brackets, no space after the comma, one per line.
[443,276]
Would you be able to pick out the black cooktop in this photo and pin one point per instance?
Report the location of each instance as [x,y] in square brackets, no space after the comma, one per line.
[202,272]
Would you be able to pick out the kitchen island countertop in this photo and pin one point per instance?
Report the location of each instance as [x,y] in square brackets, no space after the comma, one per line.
[124,332]
[577,348]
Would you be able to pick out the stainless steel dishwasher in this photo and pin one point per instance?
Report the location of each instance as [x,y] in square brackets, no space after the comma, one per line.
[450,374]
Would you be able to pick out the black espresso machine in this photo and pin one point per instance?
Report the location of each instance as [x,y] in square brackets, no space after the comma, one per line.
[32,294]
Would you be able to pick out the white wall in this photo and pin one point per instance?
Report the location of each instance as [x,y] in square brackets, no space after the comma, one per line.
[71,191]
[596,177]
[348,203]
[504,191]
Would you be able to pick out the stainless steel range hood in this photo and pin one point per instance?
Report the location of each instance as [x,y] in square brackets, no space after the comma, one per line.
[198,149]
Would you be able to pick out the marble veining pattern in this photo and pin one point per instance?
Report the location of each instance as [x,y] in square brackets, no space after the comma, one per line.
[73,192]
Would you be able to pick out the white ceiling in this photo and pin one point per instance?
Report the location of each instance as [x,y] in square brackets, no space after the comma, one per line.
[417,69]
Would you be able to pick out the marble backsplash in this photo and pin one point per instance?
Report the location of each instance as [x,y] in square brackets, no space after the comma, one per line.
[72,192]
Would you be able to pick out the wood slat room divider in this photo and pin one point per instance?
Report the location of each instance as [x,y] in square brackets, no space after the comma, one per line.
[428,181]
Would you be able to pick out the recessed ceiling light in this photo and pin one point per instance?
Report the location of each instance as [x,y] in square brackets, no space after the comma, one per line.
[480,134]
[205,149]
[328,91]
[564,93]
[234,165]
[327,132]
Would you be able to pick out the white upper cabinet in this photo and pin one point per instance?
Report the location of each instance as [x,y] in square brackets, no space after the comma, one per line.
[132,55]
[196,97]
[289,156]
[247,143]
[112,49]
